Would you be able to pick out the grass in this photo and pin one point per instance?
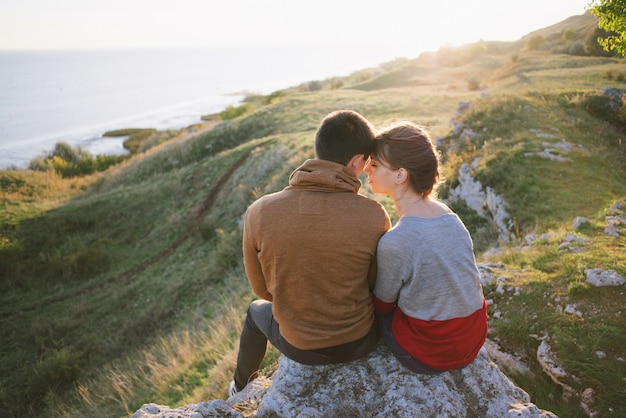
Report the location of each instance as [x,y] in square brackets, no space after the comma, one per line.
[136,137]
[127,287]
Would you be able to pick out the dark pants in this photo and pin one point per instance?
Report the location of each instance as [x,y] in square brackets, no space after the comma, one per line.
[260,326]
[403,357]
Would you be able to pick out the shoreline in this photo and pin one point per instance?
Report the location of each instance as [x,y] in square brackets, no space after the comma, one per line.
[176,117]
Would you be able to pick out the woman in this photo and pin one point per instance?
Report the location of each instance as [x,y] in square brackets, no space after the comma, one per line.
[428,296]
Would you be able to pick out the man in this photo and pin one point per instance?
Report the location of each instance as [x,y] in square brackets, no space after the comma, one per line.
[309,253]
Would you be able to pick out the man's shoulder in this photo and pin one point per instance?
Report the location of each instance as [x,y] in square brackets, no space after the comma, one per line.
[369,203]
[268,199]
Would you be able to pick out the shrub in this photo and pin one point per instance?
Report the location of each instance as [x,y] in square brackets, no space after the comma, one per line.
[336,84]
[473,84]
[592,47]
[275,96]
[231,112]
[103,162]
[137,138]
[55,372]
[40,163]
[568,35]
[81,262]
[576,49]
[71,161]
[73,155]
[314,85]
[535,42]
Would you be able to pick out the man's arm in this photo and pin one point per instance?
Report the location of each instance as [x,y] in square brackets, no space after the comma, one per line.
[251,262]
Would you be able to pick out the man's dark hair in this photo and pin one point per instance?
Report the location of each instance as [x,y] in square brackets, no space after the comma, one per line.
[342,135]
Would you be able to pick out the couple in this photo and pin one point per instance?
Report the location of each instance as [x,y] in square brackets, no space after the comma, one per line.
[315,251]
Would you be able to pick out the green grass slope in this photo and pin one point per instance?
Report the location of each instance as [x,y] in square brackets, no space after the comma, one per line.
[127,287]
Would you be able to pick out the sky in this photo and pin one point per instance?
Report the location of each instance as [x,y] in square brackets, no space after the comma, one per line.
[107,24]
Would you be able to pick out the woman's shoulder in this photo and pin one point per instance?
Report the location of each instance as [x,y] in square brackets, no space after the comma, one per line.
[439,208]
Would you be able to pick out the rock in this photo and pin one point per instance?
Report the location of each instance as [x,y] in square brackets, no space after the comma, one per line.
[216,408]
[570,242]
[462,107]
[572,310]
[616,208]
[612,231]
[554,150]
[551,155]
[616,97]
[379,386]
[562,145]
[544,136]
[531,238]
[550,365]
[579,221]
[615,224]
[486,203]
[587,400]
[376,386]
[599,277]
[510,363]
[486,270]
[575,238]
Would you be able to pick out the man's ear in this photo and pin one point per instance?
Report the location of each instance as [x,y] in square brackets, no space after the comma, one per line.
[357,163]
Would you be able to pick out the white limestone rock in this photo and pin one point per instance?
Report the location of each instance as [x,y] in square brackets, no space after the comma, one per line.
[599,277]
[379,386]
[485,202]
[376,386]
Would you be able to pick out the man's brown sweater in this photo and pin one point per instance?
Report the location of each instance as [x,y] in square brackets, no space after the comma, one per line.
[311,250]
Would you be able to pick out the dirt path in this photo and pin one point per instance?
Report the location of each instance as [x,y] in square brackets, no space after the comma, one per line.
[197,214]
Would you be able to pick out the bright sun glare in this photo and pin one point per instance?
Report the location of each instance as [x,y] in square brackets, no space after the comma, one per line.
[147,23]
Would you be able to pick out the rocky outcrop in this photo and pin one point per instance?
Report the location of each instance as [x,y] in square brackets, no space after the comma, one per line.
[484,201]
[377,386]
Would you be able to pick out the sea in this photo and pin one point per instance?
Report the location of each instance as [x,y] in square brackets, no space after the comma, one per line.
[76,95]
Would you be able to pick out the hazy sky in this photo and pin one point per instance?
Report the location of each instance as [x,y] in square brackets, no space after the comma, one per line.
[47,24]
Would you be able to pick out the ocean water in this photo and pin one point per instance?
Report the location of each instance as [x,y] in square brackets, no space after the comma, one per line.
[75,96]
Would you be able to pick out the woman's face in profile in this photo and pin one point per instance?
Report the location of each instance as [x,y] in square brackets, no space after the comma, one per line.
[380,177]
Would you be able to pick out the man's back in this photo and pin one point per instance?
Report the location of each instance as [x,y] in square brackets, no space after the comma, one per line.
[310,249]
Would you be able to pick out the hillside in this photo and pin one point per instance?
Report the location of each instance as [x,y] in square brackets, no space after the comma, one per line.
[127,286]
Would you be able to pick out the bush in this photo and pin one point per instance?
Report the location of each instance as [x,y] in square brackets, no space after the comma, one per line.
[577,49]
[71,161]
[40,163]
[231,112]
[568,35]
[54,373]
[80,262]
[592,47]
[535,42]
[473,84]
[314,86]
[136,139]
[72,155]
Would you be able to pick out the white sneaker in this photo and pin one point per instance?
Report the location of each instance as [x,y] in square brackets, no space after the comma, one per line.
[232,389]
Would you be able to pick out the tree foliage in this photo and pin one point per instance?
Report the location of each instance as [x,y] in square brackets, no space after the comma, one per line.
[611,16]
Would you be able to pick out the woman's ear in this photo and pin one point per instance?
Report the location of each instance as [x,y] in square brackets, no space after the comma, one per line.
[401,176]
